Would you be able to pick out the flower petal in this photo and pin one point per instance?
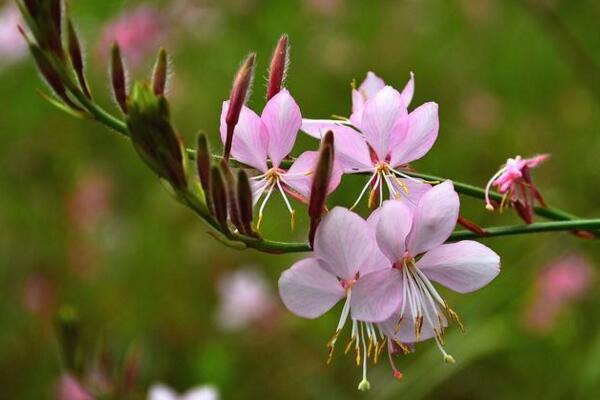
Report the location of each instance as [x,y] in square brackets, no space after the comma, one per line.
[395,221]
[463,267]
[384,121]
[308,290]
[206,392]
[300,175]
[351,150]
[343,243]
[250,140]
[160,391]
[317,128]
[434,219]
[282,118]
[367,90]
[409,90]
[423,127]
[376,295]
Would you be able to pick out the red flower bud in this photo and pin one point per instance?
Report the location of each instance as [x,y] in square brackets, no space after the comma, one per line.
[77,59]
[278,68]
[203,158]
[219,197]
[239,95]
[117,73]
[159,76]
[320,184]
[244,195]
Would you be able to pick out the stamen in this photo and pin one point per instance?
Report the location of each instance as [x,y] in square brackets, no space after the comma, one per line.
[488,203]
[373,191]
[262,206]
[364,385]
[410,178]
[364,189]
[447,357]
[287,203]
[397,373]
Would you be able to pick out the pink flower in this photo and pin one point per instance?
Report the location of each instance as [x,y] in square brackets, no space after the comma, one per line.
[12,45]
[163,392]
[138,33]
[514,181]
[271,137]
[413,242]
[70,389]
[381,137]
[560,283]
[345,255]
[245,298]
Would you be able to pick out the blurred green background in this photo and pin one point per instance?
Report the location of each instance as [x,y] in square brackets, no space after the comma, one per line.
[83,222]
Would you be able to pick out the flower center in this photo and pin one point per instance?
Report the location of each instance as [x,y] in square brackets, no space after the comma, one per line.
[267,182]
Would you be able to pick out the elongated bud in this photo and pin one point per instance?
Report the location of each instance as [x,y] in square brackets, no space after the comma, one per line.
[320,184]
[203,158]
[244,195]
[153,136]
[33,7]
[49,22]
[117,75]
[159,76]
[472,226]
[219,197]
[77,59]
[232,201]
[69,334]
[278,68]
[239,96]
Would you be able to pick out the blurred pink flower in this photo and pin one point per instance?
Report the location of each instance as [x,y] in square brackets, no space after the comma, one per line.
[39,295]
[245,298]
[138,32]
[70,389]
[91,201]
[12,45]
[325,7]
[559,284]
[161,391]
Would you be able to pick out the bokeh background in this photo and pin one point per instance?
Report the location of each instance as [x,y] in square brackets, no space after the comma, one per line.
[84,224]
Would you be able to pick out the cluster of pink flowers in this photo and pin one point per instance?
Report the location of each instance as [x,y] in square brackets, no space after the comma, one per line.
[560,283]
[382,267]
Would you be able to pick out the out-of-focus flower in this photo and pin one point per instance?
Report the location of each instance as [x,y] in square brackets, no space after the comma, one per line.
[161,391]
[70,389]
[138,33]
[514,181]
[245,298]
[388,139]
[39,295]
[325,7]
[12,45]
[271,137]
[559,284]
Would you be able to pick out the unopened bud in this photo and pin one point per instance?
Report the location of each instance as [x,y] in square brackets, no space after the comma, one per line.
[320,183]
[159,76]
[278,68]
[244,195]
[364,385]
[77,59]
[69,334]
[117,74]
[472,226]
[33,7]
[232,201]
[219,197]
[203,158]
[153,136]
[239,96]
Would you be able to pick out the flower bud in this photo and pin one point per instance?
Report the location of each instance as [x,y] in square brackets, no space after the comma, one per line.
[159,76]
[239,96]
[77,59]
[153,136]
[244,195]
[219,197]
[232,202]
[203,158]
[278,68]
[69,334]
[117,74]
[472,226]
[320,184]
